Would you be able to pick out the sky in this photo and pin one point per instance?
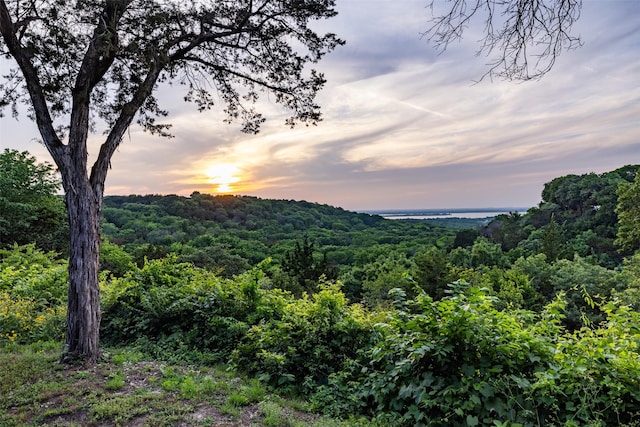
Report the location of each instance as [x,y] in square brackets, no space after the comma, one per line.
[404,126]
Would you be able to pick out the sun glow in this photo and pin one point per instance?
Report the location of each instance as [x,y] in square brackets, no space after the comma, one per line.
[223,175]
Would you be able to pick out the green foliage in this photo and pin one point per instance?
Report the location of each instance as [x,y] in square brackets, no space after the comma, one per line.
[628,210]
[478,356]
[582,282]
[592,378]
[488,254]
[553,243]
[30,211]
[33,287]
[28,272]
[229,234]
[165,306]
[578,215]
[432,272]
[114,259]
[391,270]
[23,321]
[513,288]
[628,283]
[461,361]
[301,266]
[311,340]
[529,335]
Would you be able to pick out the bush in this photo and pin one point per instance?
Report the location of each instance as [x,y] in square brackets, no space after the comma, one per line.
[33,287]
[312,339]
[23,322]
[176,306]
[460,361]
[593,377]
[29,273]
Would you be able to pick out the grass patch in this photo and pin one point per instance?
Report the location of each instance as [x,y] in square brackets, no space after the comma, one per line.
[274,415]
[236,399]
[116,382]
[121,409]
[130,390]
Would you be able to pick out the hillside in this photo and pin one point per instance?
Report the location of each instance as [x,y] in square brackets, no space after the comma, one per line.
[369,254]
[236,232]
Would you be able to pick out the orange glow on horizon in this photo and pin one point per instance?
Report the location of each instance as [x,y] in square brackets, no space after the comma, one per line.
[224,175]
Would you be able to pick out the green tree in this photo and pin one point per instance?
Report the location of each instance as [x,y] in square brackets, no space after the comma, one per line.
[30,211]
[84,63]
[389,271]
[301,265]
[432,271]
[488,254]
[114,259]
[553,244]
[507,230]
[628,210]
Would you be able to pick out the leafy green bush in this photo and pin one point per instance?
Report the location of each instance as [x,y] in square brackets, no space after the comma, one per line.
[176,306]
[460,361]
[114,259]
[28,272]
[30,210]
[23,322]
[312,339]
[594,375]
[33,287]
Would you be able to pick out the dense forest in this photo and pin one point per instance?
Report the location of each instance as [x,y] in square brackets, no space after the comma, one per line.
[575,221]
[526,319]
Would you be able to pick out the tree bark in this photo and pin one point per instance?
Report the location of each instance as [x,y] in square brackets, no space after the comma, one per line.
[84,203]
[83,310]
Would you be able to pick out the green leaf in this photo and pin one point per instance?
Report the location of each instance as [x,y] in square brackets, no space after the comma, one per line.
[472,421]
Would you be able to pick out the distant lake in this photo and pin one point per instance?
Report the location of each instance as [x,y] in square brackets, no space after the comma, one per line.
[472,213]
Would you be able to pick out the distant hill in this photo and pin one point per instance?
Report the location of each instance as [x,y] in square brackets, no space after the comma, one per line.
[368,253]
[235,232]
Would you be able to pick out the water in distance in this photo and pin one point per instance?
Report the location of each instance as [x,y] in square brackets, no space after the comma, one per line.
[471,213]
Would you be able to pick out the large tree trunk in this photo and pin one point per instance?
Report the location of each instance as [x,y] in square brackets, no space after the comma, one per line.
[83,207]
[83,310]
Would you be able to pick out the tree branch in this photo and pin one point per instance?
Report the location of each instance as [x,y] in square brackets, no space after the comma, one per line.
[43,117]
[527,35]
[114,138]
[98,58]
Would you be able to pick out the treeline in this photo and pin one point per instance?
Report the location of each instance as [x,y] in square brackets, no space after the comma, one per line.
[230,234]
[576,223]
[577,215]
[573,238]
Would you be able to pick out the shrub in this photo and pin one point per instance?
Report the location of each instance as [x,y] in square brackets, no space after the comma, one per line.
[593,377]
[33,286]
[176,306]
[29,273]
[22,321]
[460,361]
[435,363]
[312,339]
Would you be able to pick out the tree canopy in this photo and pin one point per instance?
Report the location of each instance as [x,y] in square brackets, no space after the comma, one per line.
[112,55]
[628,210]
[30,210]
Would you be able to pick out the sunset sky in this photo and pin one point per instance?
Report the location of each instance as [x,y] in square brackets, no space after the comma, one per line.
[404,126]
